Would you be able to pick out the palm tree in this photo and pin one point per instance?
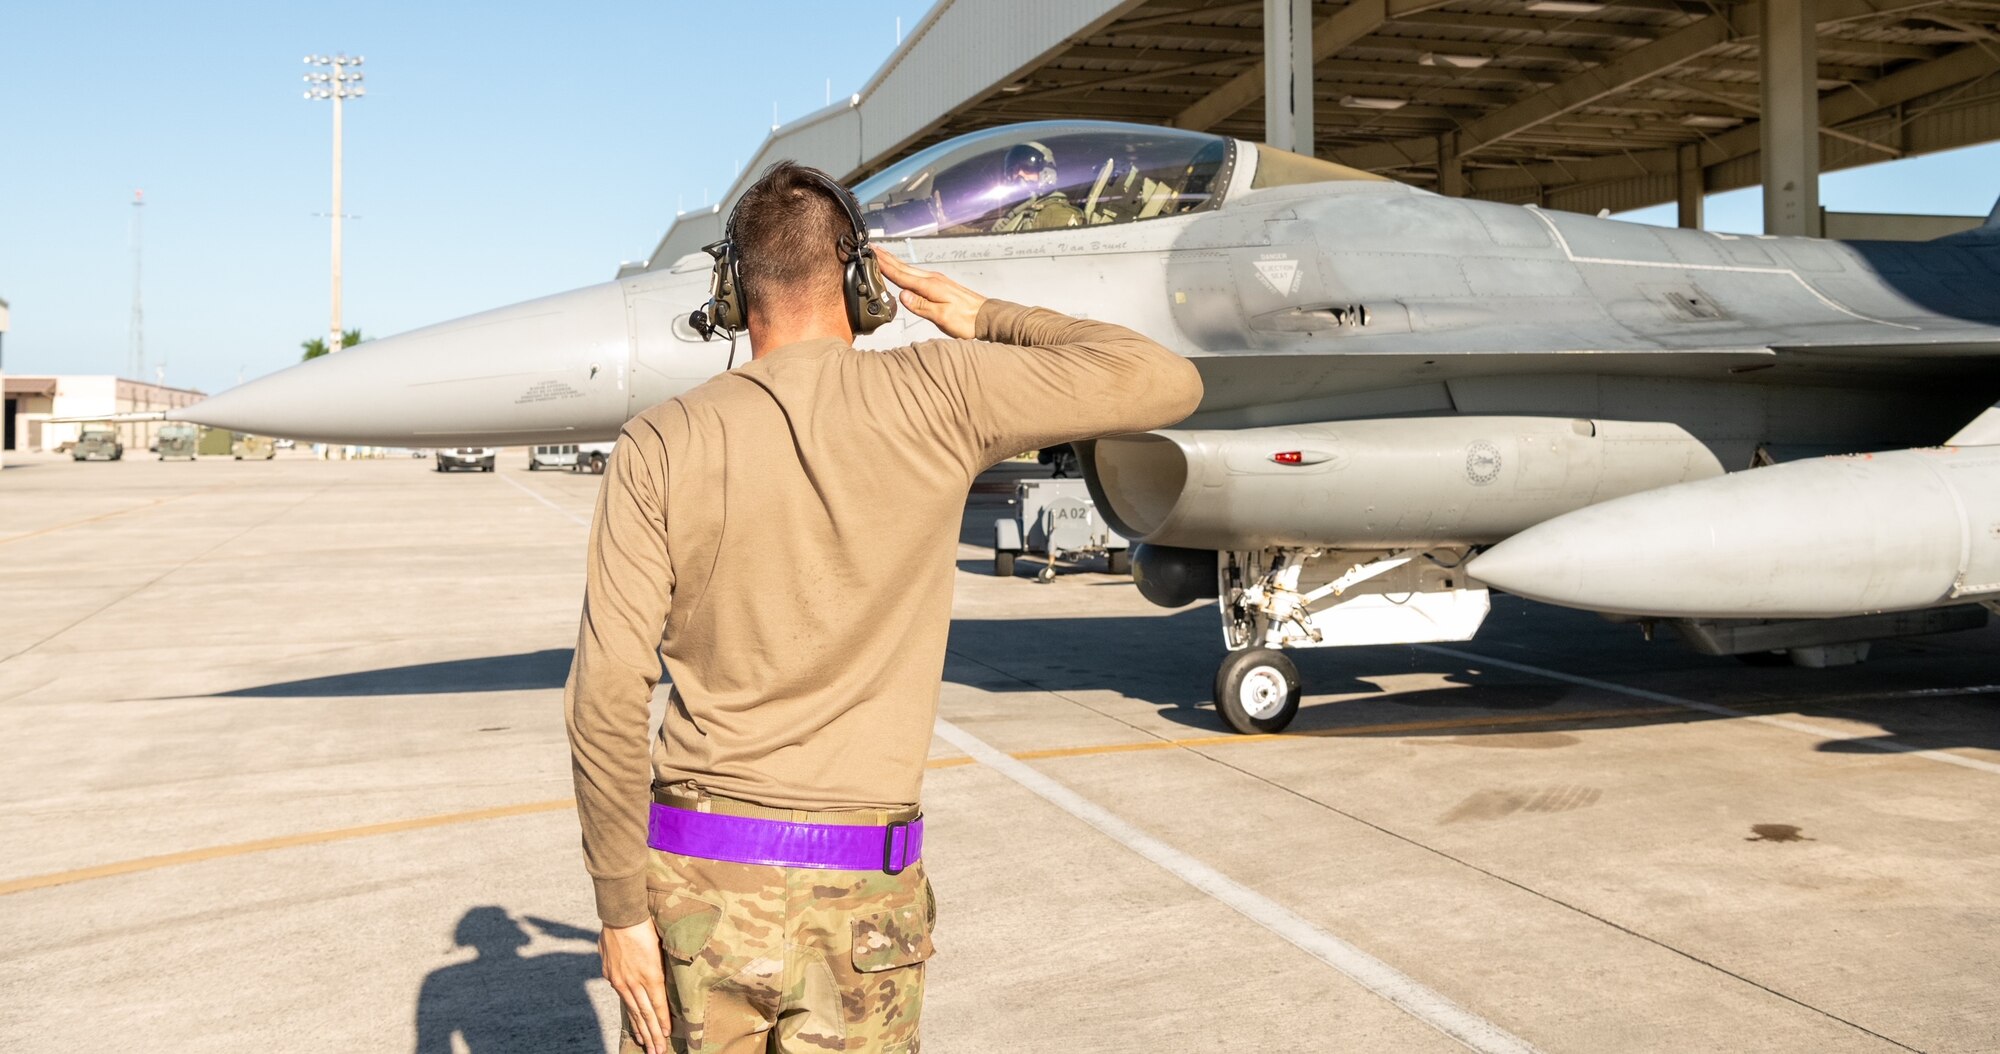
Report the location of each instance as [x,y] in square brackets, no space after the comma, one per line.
[316,347]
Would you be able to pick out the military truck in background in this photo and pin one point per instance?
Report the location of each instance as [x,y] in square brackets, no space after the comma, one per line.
[177,439]
[96,442]
[215,442]
[246,447]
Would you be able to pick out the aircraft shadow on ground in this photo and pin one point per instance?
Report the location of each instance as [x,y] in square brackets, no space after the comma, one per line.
[505,1002]
[524,671]
[1170,661]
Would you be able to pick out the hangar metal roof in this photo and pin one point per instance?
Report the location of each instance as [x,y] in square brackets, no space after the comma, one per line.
[1573,104]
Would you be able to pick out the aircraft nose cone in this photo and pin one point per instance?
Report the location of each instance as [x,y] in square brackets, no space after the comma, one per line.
[297,402]
[548,370]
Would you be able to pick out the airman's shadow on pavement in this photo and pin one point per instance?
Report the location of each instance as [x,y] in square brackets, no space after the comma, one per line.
[504,1002]
[525,671]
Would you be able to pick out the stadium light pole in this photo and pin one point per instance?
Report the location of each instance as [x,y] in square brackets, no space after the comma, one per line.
[339,84]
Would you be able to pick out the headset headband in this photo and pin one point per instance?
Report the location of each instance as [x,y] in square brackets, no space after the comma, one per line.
[869,304]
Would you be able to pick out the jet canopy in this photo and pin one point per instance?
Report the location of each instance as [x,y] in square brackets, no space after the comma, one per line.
[1046,175]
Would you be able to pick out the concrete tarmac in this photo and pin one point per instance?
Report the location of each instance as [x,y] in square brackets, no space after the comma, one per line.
[287,772]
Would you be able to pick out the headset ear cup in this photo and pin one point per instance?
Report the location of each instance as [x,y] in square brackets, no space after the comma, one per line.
[729,299]
[724,308]
[869,305]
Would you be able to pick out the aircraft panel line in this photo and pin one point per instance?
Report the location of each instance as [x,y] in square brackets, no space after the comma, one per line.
[1732,268]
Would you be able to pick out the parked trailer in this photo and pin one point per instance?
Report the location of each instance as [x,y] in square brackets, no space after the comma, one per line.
[1054,518]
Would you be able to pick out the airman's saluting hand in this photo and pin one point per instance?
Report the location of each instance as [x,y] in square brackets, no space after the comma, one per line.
[933,297]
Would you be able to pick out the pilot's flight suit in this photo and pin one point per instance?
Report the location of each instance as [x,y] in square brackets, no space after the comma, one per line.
[791,527]
[1040,213]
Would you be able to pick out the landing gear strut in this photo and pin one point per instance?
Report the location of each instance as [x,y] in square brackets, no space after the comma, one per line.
[1275,600]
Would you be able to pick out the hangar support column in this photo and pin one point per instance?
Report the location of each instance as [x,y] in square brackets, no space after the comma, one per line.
[1690,183]
[1451,167]
[1288,75]
[1788,58]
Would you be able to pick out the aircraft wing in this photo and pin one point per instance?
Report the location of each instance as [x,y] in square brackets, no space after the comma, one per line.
[131,417]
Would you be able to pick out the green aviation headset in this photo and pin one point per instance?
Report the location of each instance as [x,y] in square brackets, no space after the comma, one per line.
[869,304]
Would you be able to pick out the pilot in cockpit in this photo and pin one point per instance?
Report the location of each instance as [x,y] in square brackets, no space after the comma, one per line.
[1033,166]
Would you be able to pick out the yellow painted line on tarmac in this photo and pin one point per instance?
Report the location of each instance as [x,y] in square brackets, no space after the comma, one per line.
[215,852]
[107,515]
[262,845]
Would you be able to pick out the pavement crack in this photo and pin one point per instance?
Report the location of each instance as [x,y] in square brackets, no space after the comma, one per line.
[1442,854]
[162,576]
[1553,899]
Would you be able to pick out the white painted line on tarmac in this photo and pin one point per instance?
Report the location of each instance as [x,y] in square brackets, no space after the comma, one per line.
[1409,995]
[1786,723]
[530,492]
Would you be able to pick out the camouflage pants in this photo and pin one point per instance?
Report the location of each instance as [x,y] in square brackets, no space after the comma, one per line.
[790,959]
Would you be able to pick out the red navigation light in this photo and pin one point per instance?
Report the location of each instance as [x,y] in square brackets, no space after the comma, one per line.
[1289,457]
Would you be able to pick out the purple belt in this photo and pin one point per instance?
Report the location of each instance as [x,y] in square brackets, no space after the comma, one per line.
[753,840]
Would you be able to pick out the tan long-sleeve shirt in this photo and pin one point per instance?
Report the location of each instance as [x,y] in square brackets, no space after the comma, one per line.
[784,535]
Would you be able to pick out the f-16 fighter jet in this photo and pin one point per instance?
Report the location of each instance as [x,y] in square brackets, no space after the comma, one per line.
[1777,443]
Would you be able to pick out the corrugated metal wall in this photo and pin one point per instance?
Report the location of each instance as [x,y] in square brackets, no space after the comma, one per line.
[966,49]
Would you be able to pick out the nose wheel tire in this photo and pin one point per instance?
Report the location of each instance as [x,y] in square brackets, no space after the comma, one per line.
[1257,690]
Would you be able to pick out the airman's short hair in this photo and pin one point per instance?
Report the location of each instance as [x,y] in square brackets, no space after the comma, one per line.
[788,232]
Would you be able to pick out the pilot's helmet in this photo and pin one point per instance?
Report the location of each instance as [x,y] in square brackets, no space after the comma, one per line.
[1031,163]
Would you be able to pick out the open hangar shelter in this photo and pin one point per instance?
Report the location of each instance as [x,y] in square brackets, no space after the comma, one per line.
[1582,105]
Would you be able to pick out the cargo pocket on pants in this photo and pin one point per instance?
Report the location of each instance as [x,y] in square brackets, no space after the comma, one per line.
[885,940]
[885,1007]
[686,924]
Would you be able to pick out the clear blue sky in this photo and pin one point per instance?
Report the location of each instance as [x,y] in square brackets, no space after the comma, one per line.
[504,151]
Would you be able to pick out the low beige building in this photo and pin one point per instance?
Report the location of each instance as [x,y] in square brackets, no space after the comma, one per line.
[31,402]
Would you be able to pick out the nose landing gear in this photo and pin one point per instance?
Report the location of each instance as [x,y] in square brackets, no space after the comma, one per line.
[1279,599]
[1257,690]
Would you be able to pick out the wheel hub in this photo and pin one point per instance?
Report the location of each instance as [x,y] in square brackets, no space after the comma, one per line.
[1263,692]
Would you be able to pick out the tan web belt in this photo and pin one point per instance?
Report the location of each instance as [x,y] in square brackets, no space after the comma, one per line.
[686,795]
